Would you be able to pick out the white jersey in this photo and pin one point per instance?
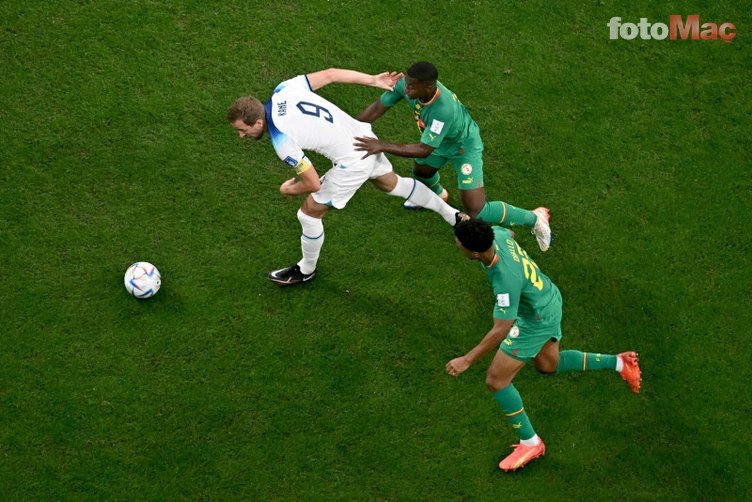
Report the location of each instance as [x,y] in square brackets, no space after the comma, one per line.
[299,119]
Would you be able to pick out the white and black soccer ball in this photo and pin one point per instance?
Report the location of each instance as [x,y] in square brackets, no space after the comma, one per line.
[142,279]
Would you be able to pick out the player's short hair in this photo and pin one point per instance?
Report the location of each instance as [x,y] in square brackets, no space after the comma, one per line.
[246,108]
[423,71]
[475,235]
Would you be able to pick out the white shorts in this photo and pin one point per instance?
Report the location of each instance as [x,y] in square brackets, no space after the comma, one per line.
[340,183]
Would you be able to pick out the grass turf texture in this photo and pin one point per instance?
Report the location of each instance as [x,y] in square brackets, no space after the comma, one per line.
[223,386]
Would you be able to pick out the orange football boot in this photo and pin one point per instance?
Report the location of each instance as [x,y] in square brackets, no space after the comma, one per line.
[630,372]
[521,456]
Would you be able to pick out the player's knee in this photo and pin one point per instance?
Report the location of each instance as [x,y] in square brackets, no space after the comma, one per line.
[423,171]
[547,366]
[387,182]
[494,383]
[473,202]
[473,211]
[546,370]
[311,209]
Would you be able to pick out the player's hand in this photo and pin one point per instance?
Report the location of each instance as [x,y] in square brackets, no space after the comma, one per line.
[366,144]
[457,366]
[286,187]
[387,79]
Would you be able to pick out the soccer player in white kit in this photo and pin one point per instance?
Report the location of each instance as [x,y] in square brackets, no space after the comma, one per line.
[298,119]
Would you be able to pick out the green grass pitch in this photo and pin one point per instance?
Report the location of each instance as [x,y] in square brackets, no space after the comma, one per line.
[114,148]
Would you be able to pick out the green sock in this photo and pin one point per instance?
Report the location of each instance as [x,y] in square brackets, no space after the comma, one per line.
[511,404]
[432,183]
[501,213]
[574,360]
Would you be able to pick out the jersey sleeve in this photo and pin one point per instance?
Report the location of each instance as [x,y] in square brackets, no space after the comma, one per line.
[435,131]
[391,98]
[291,154]
[507,300]
[299,82]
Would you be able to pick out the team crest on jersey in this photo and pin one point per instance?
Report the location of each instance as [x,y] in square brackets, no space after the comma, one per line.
[514,332]
[437,126]
[466,169]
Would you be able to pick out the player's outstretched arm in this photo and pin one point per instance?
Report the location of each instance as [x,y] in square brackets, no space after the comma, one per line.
[373,112]
[493,338]
[322,78]
[372,146]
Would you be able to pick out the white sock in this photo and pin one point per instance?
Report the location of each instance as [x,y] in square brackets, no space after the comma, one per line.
[532,441]
[311,241]
[619,364]
[419,194]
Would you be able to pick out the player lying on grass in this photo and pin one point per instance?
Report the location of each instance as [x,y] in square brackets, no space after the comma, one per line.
[449,135]
[298,119]
[527,326]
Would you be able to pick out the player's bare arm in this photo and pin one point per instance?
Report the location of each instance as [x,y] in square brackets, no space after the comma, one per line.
[372,146]
[372,112]
[385,80]
[308,182]
[493,338]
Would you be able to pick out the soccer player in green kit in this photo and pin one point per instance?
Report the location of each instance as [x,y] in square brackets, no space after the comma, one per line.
[448,135]
[527,326]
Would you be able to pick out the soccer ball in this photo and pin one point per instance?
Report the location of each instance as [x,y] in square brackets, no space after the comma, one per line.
[142,279]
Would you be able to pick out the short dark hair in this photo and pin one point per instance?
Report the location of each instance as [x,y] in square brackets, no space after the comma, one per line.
[475,235]
[246,108]
[423,71]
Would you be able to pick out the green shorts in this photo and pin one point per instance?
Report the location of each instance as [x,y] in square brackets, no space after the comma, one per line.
[525,340]
[468,165]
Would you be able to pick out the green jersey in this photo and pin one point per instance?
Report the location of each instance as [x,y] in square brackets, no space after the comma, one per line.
[444,122]
[522,291]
